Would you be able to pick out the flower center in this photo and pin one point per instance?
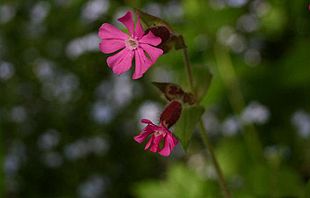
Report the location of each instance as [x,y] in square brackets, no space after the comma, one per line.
[132,43]
[158,133]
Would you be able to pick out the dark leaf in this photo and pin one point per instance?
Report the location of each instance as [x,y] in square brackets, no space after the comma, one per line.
[170,90]
[175,92]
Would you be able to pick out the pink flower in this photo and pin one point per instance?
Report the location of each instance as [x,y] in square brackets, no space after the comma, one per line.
[135,45]
[157,135]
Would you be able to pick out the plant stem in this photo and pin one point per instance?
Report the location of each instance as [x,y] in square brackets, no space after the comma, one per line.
[2,174]
[188,69]
[203,131]
[218,170]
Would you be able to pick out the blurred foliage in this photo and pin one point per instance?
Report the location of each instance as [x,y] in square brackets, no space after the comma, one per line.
[180,182]
[67,122]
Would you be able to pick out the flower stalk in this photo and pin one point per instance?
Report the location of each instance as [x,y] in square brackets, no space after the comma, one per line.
[2,173]
[188,69]
[203,131]
[218,170]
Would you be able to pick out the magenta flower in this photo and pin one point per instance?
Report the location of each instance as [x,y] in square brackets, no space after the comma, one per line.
[135,45]
[157,135]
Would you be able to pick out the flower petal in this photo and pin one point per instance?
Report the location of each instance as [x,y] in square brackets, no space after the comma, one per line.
[142,136]
[121,61]
[149,143]
[146,121]
[108,31]
[127,20]
[170,143]
[111,45]
[153,52]
[139,29]
[155,143]
[142,64]
[150,39]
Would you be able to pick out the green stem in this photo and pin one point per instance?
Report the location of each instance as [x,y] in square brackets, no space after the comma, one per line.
[188,69]
[2,174]
[203,131]
[218,170]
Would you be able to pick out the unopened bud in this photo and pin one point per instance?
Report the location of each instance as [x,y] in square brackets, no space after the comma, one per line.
[171,114]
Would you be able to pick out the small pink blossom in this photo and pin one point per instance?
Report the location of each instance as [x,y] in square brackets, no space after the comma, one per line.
[158,134]
[135,45]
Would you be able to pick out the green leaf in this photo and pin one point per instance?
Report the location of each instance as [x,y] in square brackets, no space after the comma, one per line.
[203,77]
[152,21]
[181,182]
[185,127]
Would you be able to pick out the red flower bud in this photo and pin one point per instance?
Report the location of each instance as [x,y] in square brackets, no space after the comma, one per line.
[171,114]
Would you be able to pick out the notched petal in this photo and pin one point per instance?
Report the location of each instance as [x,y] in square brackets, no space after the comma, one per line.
[108,31]
[127,20]
[121,62]
[150,39]
[108,46]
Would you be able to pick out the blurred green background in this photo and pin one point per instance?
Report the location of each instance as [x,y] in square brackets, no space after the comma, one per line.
[67,122]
